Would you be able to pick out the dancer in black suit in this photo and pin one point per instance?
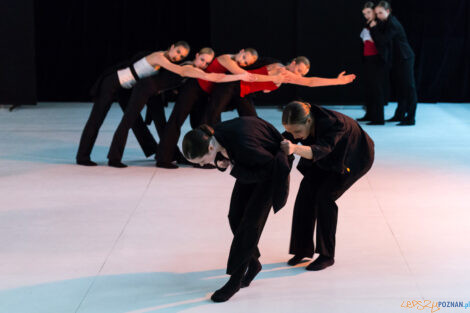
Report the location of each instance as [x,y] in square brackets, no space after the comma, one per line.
[335,152]
[375,73]
[261,170]
[390,38]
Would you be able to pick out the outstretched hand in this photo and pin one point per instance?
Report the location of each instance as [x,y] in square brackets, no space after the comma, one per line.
[344,79]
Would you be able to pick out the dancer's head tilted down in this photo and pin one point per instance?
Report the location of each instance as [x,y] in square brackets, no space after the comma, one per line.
[203,58]
[246,57]
[177,51]
[297,120]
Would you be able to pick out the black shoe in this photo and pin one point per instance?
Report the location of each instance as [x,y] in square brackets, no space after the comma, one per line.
[394,119]
[183,161]
[116,163]
[295,260]
[375,123]
[406,123]
[253,269]
[365,118]
[320,263]
[227,291]
[86,163]
[167,165]
[205,166]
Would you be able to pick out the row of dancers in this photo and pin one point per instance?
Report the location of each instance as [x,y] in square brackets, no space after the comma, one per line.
[206,87]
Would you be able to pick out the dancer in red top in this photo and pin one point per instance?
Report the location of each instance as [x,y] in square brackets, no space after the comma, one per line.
[193,96]
[268,78]
[375,73]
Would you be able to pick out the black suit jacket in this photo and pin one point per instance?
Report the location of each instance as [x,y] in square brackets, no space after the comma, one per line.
[339,144]
[391,41]
[253,146]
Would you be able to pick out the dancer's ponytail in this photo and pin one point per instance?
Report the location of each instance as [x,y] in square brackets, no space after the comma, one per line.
[296,112]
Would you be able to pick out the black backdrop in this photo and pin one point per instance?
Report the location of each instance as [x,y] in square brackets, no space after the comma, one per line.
[77,39]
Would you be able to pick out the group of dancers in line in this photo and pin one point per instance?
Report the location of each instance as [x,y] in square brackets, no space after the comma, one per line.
[334,150]
[386,50]
[206,86]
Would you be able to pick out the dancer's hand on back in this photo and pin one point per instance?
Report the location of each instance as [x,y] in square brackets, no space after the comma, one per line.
[344,79]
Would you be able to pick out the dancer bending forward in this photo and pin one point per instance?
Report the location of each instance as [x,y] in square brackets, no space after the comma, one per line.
[335,152]
[261,169]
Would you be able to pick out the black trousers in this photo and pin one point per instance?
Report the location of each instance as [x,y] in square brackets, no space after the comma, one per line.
[144,92]
[225,97]
[316,203]
[192,100]
[375,83]
[249,209]
[407,98]
[111,89]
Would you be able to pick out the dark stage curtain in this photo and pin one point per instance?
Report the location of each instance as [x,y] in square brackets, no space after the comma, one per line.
[78,39]
[17,60]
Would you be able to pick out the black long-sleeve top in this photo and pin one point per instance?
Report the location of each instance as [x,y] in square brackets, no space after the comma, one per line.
[391,41]
[338,144]
[253,147]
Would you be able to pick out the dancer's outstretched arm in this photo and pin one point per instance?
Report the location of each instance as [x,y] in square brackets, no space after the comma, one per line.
[158,58]
[194,72]
[342,79]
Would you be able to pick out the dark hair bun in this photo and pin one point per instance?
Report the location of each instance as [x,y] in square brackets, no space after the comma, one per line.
[206,129]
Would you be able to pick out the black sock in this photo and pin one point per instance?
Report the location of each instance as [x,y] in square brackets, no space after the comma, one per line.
[253,269]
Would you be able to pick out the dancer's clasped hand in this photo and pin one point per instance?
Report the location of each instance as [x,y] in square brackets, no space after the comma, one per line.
[287,146]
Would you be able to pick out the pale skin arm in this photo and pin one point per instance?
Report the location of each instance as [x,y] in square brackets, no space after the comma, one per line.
[226,61]
[342,79]
[158,59]
[194,72]
[290,148]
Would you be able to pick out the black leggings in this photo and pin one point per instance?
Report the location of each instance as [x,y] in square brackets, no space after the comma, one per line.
[144,92]
[191,100]
[226,96]
[316,203]
[407,98]
[110,89]
[249,209]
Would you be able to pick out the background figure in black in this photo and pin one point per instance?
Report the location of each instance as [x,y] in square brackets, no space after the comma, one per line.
[115,84]
[193,98]
[390,38]
[335,152]
[261,170]
[375,73]
[170,76]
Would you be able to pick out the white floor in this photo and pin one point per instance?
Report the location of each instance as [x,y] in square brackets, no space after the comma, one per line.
[142,239]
